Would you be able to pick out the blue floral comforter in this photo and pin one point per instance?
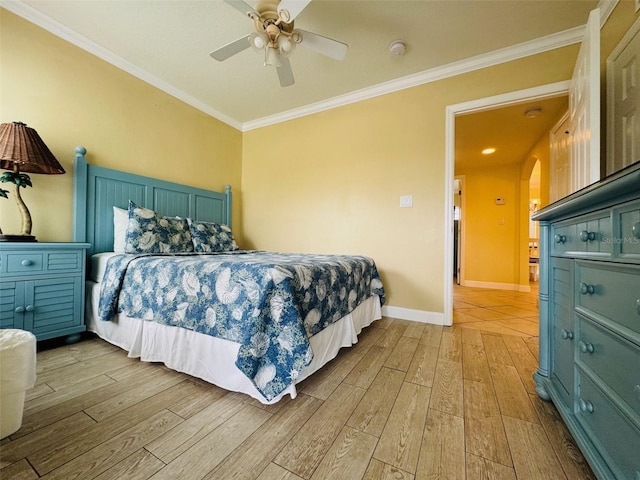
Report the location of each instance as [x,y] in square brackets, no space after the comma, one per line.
[269,303]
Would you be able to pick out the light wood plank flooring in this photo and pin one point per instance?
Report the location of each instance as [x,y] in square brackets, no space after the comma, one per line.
[409,401]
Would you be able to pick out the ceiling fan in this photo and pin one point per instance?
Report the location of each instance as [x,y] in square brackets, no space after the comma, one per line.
[276,38]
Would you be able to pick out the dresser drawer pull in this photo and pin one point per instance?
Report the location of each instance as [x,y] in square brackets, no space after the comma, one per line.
[585,406]
[636,390]
[585,347]
[638,306]
[26,263]
[19,310]
[587,236]
[559,238]
[636,229]
[566,334]
[586,289]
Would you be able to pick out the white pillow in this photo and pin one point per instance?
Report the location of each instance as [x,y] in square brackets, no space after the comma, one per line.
[120,223]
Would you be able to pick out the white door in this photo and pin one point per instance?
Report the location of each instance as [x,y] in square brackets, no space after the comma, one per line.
[623,102]
[560,160]
[584,108]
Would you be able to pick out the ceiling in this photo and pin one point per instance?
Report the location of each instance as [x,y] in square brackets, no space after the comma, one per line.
[507,129]
[167,43]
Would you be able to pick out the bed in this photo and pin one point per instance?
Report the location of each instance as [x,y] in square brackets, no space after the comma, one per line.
[247,321]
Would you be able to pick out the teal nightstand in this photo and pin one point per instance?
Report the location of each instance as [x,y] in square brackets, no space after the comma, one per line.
[42,288]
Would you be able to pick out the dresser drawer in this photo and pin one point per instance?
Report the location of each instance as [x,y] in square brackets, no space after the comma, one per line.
[612,358]
[583,236]
[626,238]
[609,292]
[612,433]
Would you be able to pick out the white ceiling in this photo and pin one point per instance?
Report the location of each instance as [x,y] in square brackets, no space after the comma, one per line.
[167,43]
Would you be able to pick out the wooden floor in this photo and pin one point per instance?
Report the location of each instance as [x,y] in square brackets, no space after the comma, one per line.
[409,401]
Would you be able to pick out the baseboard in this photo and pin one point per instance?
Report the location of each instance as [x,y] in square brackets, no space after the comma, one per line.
[497,286]
[421,316]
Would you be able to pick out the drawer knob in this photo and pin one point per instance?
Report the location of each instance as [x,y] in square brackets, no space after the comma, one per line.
[638,306]
[566,334]
[559,238]
[19,310]
[586,347]
[30,308]
[635,229]
[585,406]
[26,263]
[587,236]
[636,390]
[586,289]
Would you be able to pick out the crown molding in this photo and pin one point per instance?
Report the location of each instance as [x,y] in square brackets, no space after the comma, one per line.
[515,52]
[52,26]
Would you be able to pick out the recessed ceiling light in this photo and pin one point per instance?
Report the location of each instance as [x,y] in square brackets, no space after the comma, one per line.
[488,151]
[533,112]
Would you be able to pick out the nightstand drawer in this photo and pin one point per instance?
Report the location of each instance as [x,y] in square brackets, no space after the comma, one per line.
[24,263]
[31,263]
[609,293]
[612,358]
[613,434]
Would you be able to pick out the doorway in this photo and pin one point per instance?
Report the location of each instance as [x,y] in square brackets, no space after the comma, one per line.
[453,111]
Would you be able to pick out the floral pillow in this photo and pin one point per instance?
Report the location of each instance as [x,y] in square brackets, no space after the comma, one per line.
[211,237]
[148,232]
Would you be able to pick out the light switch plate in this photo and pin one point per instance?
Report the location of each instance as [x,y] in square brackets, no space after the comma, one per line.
[406,201]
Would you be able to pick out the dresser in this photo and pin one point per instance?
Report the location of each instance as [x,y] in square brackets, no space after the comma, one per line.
[589,363]
[42,288]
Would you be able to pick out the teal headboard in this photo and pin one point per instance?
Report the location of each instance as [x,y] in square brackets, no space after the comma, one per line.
[96,190]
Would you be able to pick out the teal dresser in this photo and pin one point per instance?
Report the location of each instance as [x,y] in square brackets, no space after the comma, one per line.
[42,288]
[590,320]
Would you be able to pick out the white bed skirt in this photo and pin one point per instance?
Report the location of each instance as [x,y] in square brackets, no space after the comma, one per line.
[213,359]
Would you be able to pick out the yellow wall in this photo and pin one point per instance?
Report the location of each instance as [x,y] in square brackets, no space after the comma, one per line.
[71,97]
[331,182]
[491,231]
[496,237]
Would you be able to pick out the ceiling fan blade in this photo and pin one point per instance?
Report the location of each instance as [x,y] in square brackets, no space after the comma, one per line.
[231,49]
[244,8]
[288,10]
[285,75]
[324,45]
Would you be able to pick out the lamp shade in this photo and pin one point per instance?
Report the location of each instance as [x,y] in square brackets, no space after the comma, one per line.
[22,146]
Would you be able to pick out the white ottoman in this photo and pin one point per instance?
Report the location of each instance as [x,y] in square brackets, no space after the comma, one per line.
[17,375]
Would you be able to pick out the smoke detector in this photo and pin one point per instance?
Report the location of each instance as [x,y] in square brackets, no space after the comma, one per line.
[397,47]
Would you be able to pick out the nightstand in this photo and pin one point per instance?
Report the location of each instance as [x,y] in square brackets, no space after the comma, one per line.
[42,288]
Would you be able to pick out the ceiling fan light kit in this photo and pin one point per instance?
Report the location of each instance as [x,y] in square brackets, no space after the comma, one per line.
[275,34]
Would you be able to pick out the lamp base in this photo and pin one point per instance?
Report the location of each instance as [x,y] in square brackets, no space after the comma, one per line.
[17,238]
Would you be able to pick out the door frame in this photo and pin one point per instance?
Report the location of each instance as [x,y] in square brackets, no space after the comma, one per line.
[478,105]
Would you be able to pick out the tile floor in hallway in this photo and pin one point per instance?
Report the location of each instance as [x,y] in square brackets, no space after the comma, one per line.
[498,311]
